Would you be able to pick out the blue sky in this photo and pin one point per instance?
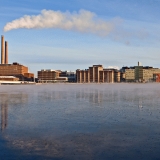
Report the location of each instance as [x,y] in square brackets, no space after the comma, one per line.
[134,37]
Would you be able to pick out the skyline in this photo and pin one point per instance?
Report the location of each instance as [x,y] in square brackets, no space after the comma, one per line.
[134,36]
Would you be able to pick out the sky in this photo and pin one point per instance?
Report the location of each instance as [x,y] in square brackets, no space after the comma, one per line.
[76,34]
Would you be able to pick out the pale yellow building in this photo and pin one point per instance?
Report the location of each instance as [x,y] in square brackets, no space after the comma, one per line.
[117,76]
[140,73]
[130,75]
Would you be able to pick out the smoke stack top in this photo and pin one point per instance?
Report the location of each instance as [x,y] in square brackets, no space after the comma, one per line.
[139,63]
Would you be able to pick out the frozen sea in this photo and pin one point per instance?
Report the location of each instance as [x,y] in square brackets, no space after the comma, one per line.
[80,122]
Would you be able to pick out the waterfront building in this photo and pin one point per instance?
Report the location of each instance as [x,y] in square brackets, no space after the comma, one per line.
[83,76]
[95,74]
[140,73]
[117,76]
[122,76]
[50,76]
[130,75]
[8,78]
[106,76]
[17,70]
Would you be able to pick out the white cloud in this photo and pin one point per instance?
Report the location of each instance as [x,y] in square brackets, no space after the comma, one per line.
[113,67]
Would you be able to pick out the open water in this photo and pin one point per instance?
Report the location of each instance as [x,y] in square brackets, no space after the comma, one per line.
[80,122]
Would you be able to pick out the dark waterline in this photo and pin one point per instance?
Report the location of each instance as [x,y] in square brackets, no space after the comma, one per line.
[80,121]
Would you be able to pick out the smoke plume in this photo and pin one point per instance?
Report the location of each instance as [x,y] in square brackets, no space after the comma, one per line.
[83,21]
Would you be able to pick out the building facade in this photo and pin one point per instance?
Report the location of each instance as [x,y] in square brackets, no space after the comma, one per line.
[69,74]
[130,75]
[16,70]
[95,74]
[50,76]
[8,78]
[140,73]
[106,76]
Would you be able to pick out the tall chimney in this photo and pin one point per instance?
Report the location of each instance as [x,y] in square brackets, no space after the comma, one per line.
[6,52]
[2,49]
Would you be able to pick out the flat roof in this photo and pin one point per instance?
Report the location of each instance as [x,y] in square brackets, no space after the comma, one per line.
[7,77]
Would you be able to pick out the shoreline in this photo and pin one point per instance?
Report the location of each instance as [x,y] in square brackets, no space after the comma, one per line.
[8,83]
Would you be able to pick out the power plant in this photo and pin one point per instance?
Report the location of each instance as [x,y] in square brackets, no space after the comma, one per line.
[13,71]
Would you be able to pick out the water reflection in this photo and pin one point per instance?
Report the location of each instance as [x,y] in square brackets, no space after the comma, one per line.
[13,100]
[81,122]
[4,115]
[4,110]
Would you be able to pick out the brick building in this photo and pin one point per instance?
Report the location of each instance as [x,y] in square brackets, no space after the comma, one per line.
[96,74]
[15,69]
[50,76]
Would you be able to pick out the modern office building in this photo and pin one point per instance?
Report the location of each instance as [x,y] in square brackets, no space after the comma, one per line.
[15,69]
[95,74]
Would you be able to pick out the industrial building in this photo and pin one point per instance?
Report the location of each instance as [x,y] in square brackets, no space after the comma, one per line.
[141,73]
[17,70]
[97,74]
